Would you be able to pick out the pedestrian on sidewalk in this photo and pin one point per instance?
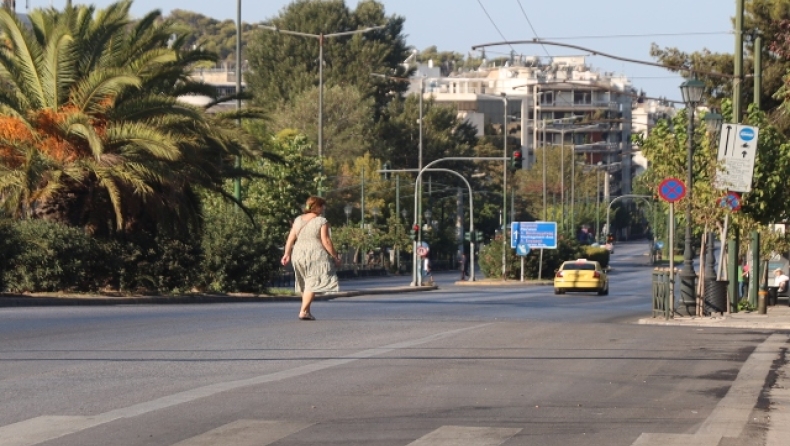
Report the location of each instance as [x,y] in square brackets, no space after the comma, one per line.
[464,266]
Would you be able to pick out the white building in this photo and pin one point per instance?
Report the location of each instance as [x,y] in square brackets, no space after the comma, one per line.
[562,102]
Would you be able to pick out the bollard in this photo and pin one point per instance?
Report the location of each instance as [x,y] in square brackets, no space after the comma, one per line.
[761,298]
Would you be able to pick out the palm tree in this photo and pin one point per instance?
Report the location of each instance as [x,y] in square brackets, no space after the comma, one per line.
[91,130]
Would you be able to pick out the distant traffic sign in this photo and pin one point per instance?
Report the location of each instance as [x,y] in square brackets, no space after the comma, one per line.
[514,234]
[671,190]
[737,149]
[538,234]
[731,200]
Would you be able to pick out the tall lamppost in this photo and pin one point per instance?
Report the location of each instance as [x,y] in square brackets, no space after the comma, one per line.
[504,189]
[321,37]
[691,90]
[237,163]
[417,242]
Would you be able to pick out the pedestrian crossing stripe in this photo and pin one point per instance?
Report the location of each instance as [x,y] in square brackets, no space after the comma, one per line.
[245,433]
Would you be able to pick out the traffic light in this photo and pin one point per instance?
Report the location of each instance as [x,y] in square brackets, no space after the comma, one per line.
[414,233]
[467,236]
[518,159]
[385,175]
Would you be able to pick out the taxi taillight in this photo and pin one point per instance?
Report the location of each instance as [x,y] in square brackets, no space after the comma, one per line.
[559,274]
[597,275]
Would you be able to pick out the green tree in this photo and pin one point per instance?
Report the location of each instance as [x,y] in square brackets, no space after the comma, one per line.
[283,66]
[763,16]
[347,120]
[91,130]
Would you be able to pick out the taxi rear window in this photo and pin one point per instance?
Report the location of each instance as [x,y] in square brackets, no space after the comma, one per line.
[579,267]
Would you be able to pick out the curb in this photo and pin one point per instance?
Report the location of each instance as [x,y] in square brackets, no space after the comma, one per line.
[507,283]
[39,301]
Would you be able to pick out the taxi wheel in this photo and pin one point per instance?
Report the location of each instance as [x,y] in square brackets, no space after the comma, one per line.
[558,291]
[603,291]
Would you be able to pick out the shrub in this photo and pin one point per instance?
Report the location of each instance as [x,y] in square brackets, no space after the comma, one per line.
[237,256]
[9,249]
[49,256]
[157,263]
[490,259]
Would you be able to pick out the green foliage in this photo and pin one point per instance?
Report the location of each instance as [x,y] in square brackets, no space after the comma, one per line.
[766,16]
[237,256]
[347,118]
[490,259]
[158,263]
[210,34]
[745,306]
[349,60]
[52,257]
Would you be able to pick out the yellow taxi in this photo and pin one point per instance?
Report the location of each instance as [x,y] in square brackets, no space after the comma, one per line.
[581,275]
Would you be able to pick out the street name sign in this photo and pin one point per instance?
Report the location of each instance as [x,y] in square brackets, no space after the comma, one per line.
[737,150]
[538,234]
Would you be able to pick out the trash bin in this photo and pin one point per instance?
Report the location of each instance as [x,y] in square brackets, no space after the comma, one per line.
[715,296]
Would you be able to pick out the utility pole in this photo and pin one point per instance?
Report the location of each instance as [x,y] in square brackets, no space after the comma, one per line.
[737,95]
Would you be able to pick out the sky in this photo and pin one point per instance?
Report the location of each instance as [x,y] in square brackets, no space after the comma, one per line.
[624,28]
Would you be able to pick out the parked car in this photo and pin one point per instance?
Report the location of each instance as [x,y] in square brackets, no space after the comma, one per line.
[581,275]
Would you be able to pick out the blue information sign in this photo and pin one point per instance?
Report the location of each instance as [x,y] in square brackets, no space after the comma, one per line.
[514,234]
[538,234]
[522,250]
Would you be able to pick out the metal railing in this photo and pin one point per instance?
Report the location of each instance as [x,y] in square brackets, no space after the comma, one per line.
[662,293]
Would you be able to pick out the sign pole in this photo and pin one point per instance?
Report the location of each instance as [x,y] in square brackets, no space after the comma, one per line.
[672,258]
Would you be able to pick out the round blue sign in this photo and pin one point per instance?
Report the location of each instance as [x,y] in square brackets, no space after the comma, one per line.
[746,134]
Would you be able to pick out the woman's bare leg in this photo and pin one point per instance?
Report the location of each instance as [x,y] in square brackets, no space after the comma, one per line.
[307,299]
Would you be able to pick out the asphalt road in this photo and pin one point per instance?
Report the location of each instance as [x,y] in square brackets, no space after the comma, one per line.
[462,365]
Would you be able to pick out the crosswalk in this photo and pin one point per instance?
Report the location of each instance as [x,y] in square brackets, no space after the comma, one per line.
[248,432]
[263,432]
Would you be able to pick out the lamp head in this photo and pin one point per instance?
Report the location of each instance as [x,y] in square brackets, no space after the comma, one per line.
[713,121]
[692,90]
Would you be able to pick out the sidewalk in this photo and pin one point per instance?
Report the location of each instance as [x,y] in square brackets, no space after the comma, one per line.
[776,318]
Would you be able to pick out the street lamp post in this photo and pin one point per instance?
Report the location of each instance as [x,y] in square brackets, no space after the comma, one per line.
[598,201]
[418,186]
[692,95]
[237,163]
[504,189]
[321,37]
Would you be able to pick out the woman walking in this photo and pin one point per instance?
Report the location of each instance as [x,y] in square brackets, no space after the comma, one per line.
[309,248]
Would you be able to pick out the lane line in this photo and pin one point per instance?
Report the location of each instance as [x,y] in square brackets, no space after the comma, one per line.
[24,433]
[245,433]
[466,436]
[732,412]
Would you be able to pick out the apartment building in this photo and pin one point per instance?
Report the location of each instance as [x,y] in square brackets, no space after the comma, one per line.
[645,114]
[562,101]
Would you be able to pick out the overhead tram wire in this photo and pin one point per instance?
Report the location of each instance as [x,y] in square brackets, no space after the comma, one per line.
[622,36]
[535,33]
[494,23]
[680,68]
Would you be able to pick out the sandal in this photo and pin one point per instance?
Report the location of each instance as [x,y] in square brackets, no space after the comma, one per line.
[305,316]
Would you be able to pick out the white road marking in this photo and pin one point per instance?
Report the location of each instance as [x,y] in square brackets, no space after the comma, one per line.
[779,424]
[731,414]
[466,436]
[37,430]
[245,433]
